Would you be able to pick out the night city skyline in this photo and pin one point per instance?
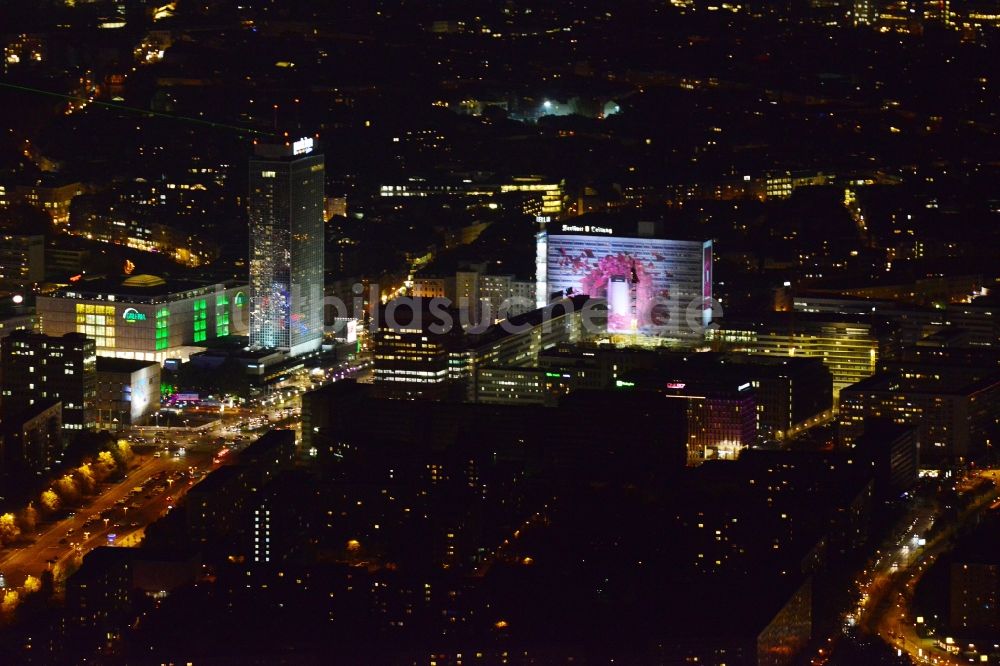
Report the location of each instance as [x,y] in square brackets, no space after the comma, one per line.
[499,332]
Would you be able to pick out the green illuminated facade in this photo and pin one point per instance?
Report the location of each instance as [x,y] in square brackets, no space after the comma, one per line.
[200,320]
[221,315]
[162,328]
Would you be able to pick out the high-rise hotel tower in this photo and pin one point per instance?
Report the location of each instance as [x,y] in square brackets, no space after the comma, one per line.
[286,246]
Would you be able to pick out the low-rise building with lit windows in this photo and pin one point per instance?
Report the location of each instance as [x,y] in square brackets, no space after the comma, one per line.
[486,297]
[956,412]
[532,195]
[848,346]
[145,317]
[50,193]
[515,386]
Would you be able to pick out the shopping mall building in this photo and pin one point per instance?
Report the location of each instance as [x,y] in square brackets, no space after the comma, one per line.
[146,317]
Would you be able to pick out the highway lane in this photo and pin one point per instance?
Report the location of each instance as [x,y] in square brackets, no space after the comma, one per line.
[61,541]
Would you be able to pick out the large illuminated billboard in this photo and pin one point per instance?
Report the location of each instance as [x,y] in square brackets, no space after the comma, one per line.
[653,286]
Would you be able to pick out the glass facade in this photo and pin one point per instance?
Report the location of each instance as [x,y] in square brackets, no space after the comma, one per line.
[200,324]
[850,351]
[221,316]
[162,328]
[286,252]
[96,321]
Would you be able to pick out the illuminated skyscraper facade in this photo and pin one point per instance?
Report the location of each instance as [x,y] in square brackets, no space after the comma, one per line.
[286,247]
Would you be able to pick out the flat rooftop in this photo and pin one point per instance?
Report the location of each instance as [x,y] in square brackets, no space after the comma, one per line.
[121,365]
[928,383]
[142,288]
[621,225]
[218,480]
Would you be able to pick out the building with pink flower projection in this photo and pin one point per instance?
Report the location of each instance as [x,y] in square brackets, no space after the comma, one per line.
[655,287]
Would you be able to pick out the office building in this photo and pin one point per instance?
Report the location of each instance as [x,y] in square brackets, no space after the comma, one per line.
[560,370]
[594,367]
[411,348]
[64,262]
[33,438]
[894,451]
[507,295]
[974,582]
[48,193]
[911,322]
[146,317]
[849,347]
[487,298]
[286,207]
[956,412]
[519,343]
[720,424]
[415,356]
[520,340]
[217,504]
[721,415]
[791,394]
[928,352]
[516,386]
[655,288]
[18,322]
[39,368]
[271,453]
[128,392]
[22,259]
[533,195]
[557,371]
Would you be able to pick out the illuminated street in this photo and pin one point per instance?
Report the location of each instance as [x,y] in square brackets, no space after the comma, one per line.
[889,590]
[127,514]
